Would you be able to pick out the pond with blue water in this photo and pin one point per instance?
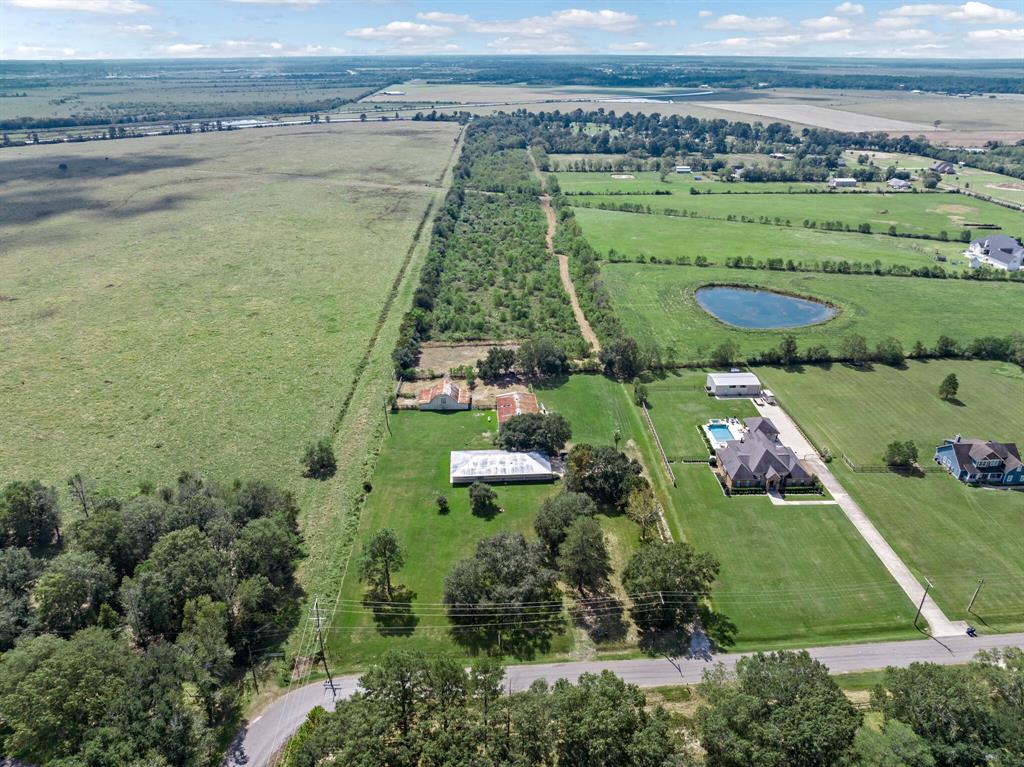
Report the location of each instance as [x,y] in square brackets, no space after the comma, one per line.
[761,309]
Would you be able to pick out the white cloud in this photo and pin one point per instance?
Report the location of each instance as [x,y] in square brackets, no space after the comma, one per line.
[665,23]
[638,45]
[705,14]
[89,6]
[907,35]
[825,22]
[996,35]
[405,30]
[572,18]
[606,20]
[853,9]
[40,52]
[245,48]
[747,23]
[278,2]
[972,12]
[447,18]
[749,45]
[558,43]
[894,22]
[981,13]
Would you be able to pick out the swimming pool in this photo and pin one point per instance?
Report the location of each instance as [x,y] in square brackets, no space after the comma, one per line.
[720,432]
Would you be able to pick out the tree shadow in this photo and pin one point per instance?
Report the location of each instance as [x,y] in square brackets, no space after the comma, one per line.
[602,617]
[522,640]
[486,512]
[551,382]
[711,632]
[394,617]
[955,401]
[911,472]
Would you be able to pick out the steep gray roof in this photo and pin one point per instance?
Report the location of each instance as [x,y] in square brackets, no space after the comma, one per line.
[999,247]
[758,457]
[762,426]
[969,451]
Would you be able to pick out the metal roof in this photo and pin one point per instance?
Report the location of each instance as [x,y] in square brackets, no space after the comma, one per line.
[720,379]
[499,465]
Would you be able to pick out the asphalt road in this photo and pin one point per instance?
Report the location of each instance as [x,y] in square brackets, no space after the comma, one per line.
[266,733]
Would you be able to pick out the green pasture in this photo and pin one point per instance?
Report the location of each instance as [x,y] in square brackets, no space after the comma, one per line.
[943,530]
[858,411]
[657,303]
[671,237]
[985,182]
[574,182]
[918,214]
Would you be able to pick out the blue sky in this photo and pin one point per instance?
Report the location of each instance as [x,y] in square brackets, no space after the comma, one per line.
[36,29]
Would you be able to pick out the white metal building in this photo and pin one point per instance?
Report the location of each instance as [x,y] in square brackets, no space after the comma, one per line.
[467,466]
[733,385]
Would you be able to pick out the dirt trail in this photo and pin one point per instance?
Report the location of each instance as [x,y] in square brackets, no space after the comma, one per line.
[563,269]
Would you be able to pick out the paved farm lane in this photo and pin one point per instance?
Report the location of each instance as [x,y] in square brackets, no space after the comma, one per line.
[941,626]
[269,731]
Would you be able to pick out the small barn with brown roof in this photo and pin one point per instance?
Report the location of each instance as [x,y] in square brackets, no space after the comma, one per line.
[443,396]
[513,403]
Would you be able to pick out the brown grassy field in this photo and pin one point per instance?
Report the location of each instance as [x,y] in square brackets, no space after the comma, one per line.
[210,301]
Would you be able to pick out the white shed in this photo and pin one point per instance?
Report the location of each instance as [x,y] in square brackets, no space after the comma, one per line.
[733,385]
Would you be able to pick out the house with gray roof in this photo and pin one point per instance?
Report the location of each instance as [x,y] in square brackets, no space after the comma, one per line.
[979,462]
[898,184]
[941,166]
[998,251]
[759,459]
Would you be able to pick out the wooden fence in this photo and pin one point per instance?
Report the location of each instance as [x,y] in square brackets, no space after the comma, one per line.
[657,441]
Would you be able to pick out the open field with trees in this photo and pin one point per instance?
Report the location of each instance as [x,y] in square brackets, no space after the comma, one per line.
[657,303]
[239,266]
[944,530]
[669,238]
[905,213]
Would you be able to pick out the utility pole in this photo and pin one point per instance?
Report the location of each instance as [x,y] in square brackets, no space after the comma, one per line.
[924,596]
[320,638]
[252,668]
[981,582]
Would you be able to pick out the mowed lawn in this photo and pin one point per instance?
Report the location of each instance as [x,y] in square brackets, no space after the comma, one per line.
[197,301]
[413,470]
[671,237]
[919,214]
[657,303]
[942,529]
[790,576]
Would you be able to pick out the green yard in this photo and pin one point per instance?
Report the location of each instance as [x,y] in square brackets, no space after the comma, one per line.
[942,529]
[657,303]
[918,214]
[413,470]
[671,237]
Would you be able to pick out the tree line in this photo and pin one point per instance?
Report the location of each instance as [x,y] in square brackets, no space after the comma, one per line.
[780,708]
[127,630]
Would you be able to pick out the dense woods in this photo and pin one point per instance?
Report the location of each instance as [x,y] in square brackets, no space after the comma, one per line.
[127,629]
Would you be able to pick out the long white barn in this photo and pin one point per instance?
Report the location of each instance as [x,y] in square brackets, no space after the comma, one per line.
[468,466]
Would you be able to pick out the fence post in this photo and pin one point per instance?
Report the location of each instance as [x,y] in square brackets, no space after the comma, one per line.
[657,442]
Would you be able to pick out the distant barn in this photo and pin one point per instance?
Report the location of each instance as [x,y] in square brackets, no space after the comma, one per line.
[444,396]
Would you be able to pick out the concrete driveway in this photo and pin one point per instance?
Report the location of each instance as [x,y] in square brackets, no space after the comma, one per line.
[791,436]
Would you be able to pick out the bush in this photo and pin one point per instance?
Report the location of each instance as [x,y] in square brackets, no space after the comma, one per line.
[535,431]
[899,453]
[482,499]
[319,460]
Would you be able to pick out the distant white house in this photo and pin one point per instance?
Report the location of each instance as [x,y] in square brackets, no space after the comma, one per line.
[837,183]
[998,251]
[733,385]
[468,466]
[392,93]
[683,169]
[778,156]
[898,184]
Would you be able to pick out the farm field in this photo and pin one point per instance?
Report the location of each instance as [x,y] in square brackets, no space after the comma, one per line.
[246,272]
[985,182]
[909,213]
[670,237]
[574,182]
[944,530]
[413,469]
[657,303]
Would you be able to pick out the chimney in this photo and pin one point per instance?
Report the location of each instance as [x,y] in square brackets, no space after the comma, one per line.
[958,437]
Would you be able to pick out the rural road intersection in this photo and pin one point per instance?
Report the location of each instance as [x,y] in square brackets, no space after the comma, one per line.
[269,731]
